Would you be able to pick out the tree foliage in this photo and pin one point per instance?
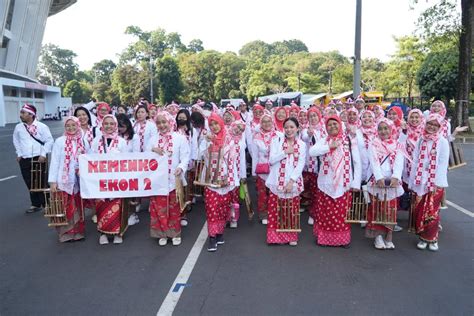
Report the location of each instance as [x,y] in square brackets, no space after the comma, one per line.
[169,79]
[56,65]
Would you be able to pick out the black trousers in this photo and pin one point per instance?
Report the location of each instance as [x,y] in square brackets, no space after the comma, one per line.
[37,198]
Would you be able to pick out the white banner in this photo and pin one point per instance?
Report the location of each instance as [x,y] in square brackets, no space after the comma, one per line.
[121,175]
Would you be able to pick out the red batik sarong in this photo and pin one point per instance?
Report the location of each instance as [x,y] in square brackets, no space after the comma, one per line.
[109,213]
[165,216]
[75,229]
[427,215]
[274,237]
[217,208]
[332,229]
[263,194]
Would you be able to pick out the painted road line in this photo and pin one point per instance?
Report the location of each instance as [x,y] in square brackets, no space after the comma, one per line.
[177,288]
[460,209]
[7,178]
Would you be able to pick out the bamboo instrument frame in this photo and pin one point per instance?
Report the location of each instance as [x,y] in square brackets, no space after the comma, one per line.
[286,221]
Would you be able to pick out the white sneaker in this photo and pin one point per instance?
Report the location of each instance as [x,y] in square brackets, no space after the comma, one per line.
[433,246]
[133,219]
[389,245]
[264,221]
[137,208]
[422,245]
[233,224]
[103,240]
[302,209]
[293,243]
[118,239]
[163,241]
[310,221]
[94,219]
[397,228]
[379,243]
[184,222]
[443,207]
[176,241]
[362,225]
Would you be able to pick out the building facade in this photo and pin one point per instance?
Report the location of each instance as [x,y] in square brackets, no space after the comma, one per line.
[22,25]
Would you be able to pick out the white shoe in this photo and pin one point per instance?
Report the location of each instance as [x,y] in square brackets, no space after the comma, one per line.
[310,221]
[389,245]
[397,228]
[264,221]
[440,228]
[422,245]
[293,243]
[362,225]
[137,208]
[118,239]
[193,201]
[163,241]
[443,207]
[103,240]
[176,241]
[302,209]
[184,222]
[94,219]
[133,219]
[433,246]
[379,243]
[233,224]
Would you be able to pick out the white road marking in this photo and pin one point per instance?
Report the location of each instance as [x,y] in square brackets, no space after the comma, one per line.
[460,209]
[7,178]
[171,300]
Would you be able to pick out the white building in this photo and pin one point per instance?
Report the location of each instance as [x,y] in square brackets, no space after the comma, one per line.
[22,24]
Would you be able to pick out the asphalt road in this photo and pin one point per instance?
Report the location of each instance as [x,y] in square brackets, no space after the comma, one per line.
[40,276]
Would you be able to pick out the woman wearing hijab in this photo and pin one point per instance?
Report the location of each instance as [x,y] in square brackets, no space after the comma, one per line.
[311,135]
[280,115]
[165,213]
[386,164]
[63,179]
[216,151]
[353,122]
[340,173]
[103,109]
[262,141]
[285,180]
[428,178]
[109,211]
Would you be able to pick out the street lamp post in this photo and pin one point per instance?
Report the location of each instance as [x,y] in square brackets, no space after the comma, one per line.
[151,79]
[358,26]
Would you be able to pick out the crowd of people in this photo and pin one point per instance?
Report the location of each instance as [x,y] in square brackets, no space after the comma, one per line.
[313,159]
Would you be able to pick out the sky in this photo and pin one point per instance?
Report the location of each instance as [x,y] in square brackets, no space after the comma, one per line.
[94,29]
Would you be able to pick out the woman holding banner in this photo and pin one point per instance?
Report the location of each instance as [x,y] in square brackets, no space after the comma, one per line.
[63,179]
[165,213]
[109,211]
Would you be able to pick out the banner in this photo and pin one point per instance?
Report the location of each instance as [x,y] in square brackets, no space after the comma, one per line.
[121,175]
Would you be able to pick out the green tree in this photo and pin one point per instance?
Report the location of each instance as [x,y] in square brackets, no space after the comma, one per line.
[130,83]
[169,79]
[56,65]
[79,92]
[195,46]
[228,76]
[256,50]
[102,71]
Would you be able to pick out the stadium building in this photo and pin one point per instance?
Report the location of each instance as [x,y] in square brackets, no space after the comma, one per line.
[22,25]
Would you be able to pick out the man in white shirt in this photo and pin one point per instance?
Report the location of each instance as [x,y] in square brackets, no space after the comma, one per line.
[33,141]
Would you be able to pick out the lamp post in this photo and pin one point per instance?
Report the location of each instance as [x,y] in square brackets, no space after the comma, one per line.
[358,26]
[151,79]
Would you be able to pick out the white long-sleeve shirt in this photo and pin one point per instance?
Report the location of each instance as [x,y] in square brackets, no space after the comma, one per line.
[292,172]
[442,163]
[326,182]
[150,131]
[385,171]
[262,152]
[179,156]
[120,148]
[26,146]
[364,156]
[308,141]
[56,166]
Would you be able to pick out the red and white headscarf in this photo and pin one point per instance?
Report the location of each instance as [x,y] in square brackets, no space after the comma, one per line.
[71,152]
[113,135]
[278,123]
[338,159]
[355,124]
[368,132]
[234,155]
[100,117]
[219,139]
[165,142]
[425,137]
[378,112]
[256,120]
[386,147]
[414,131]
[319,126]
[266,136]
[442,113]
[32,128]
